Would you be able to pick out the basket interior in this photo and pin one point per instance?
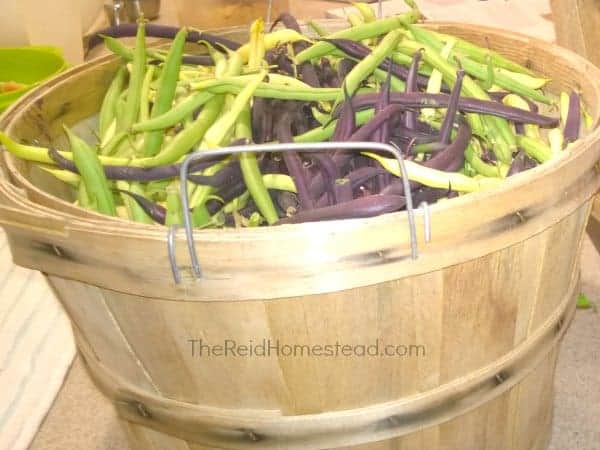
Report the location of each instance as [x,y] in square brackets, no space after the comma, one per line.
[73,98]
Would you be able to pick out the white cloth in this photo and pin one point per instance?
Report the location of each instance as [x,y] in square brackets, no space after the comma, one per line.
[36,351]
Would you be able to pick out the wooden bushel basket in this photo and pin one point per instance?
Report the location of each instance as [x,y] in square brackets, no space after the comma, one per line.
[488,299]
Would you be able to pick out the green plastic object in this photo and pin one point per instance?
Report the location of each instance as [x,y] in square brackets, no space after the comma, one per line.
[28,66]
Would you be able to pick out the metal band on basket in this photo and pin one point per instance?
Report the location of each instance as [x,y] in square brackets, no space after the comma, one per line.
[277,148]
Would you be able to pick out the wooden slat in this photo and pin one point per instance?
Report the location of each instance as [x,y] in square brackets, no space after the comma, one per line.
[577,28]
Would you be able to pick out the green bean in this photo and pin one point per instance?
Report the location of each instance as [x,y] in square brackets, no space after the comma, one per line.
[279,182]
[321,134]
[83,200]
[505,81]
[63,175]
[318,29]
[588,120]
[92,175]
[480,54]
[237,203]
[120,109]
[275,79]
[202,193]
[434,84]
[216,134]
[240,117]
[40,154]
[174,208]
[498,131]
[126,53]
[200,216]
[134,211]
[278,79]
[235,85]
[174,115]
[526,80]
[109,104]
[488,82]
[110,133]
[117,47]
[145,99]
[255,220]
[367,65]
[166,91]
[396,84]
[112,146]
[366,11]
[251,172]
[535,148]
[472,156]
[531,130]
[355,20]
[256,49]
[479,70]
[321,117]
[557,141]
[272,40]
[184,141]
[136,79]
[359,33]
[436,178]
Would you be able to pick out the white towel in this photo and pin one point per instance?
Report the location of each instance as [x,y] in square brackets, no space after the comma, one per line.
[36,351]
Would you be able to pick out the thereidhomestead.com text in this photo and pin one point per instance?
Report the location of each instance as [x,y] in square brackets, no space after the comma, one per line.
[266,348]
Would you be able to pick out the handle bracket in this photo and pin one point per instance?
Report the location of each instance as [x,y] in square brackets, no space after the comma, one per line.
[277,148]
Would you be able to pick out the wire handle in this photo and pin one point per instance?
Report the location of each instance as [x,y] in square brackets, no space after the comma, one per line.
[276,148]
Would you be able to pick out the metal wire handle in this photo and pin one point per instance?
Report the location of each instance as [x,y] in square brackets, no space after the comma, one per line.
[276,148]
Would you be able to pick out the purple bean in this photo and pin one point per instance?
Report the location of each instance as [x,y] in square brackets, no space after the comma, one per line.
[359,51]
[156,212]
[405,135]
[288,20]
[306,70]
[410,117]
[160,31]
[420,100]
[363,207]
[446,129]
[521,163]
[226,193]
[129,173]
[498,96]
[362,175]
[293,161]
[287,202]
[432,195]
[365,132]
[327,163]
[262,120]
[345,66]
[453,157]
[279,57]
[347,121]
[383,134]
[197,60]
[573,121]
[342,188]
[229,174]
